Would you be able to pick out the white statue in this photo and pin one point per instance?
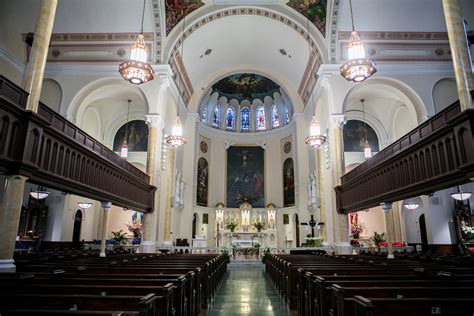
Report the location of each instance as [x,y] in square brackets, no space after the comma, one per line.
[312,193]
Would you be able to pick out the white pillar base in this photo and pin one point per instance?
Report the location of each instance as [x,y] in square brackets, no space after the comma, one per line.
[7,266]
[102,255]
[148,246]
[343,248]
[390,257]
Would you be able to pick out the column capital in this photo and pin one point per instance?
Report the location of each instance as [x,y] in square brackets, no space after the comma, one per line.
[298,116]
[387,206]
[338,119]
[165,80]
[153,120]
[106,205]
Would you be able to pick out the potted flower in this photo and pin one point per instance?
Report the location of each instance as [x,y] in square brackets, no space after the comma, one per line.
[258,226]
[120,239]
[379,239]
[314,241]
[231,225]
[356,229]
[136,229]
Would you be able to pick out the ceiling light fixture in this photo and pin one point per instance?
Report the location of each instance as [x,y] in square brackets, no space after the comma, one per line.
[176,139]
[84,205]
[315,139]
[124,148]
[367,149]
[136,70]
[411,205]
[461,196]
[39,194]
[358,67]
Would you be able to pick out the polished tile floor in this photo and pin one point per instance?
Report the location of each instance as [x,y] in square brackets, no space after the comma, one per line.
[247,291]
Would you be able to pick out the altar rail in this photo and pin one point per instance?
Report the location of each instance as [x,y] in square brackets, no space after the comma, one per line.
[51,151]
[436,155]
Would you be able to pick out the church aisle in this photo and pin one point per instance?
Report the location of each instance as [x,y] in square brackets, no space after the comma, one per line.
[247,291]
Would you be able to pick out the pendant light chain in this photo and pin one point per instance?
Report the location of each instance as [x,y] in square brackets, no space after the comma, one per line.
[126,125]
[143,16]
[352,15]
[363,116]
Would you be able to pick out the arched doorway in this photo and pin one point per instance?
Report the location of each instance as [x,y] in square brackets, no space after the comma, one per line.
[297,230]
[76,232]
[423,234]
[195,219]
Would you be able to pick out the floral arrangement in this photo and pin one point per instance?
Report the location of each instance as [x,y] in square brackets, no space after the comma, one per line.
[314,241]
[357,228]
[355,243]
[231,225]
[378,239]
[467,232]
[135,228]
[258,226]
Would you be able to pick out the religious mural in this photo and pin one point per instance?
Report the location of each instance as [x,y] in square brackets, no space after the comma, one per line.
[176,10]
[354,137]
[245,176]
[314,10]
[137,136]
[245,86]
[288,183]
[202,182]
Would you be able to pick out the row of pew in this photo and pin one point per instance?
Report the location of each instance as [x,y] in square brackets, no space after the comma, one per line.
[121,284]
[373,285]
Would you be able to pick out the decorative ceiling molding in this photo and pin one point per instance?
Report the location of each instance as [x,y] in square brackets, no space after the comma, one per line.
[331,27]
[103,37]
[181,77]
[314,61]
[158,15]
[401,46]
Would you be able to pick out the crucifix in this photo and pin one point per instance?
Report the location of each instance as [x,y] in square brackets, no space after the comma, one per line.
[312,223]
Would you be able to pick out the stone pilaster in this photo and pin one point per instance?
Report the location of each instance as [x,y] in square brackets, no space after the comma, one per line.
[106,207]
[39,52]
[459,51]
[11,199]
[387,208]
[168,191]
[338,121]
[154,122]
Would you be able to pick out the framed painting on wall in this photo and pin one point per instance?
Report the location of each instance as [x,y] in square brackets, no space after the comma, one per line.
[245,176]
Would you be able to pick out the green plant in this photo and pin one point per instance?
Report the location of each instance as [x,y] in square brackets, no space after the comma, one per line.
[258,226]
[119,238]
[231,225]
[314,242]
[377,238]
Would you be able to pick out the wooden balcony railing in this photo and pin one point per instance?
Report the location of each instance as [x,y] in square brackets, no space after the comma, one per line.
[52,151]
[436,155]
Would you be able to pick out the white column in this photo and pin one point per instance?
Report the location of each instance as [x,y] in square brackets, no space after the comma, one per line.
[11,200]
[387,208]
[106,207]
[155,127]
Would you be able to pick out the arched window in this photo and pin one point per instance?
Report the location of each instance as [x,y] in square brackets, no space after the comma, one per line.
[216,117]
[204,115]
[245,119]
[275,121]
[230,119]
[287,116]
[260,117]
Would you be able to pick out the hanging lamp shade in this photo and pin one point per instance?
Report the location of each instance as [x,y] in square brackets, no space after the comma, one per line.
[367,150]
[124,150]
[176,139]
[461,196]
[358,67]
[136,70]
[84,205]
[315,139]
[39,194]
[411,205]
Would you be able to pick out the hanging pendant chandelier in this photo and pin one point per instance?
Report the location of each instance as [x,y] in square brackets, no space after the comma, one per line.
[124,147]
[315,139]
[136,70]
[39,194]
[411,205]
[358,67]
[367,149]
[461,196]
[176,139]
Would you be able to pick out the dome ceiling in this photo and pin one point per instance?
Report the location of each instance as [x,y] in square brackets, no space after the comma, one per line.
[245,86]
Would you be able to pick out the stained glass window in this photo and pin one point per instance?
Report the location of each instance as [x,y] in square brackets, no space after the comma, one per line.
[287,116]
[216,117]
[261,123]
[275,121]
[245,119]
[230,119]
[204,116]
